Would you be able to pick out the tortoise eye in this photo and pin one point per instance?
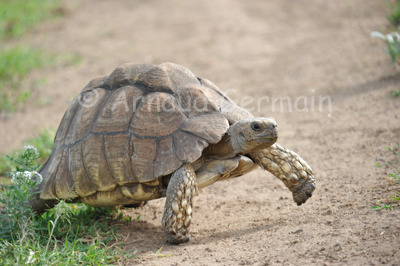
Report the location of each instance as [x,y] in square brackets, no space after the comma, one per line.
[256,126]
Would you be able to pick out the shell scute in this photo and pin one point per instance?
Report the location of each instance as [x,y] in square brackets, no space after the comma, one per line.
[85,115]
[157,116]
[82,183]
[98,168]
[118,109]
[144,154]
[64,184]
[117,157]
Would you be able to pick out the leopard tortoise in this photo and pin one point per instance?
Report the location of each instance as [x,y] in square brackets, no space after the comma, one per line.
[151,131]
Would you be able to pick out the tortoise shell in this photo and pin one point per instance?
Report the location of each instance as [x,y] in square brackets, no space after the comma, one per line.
[125,131]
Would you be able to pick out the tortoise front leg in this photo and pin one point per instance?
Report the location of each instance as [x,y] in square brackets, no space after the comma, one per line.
[182,188]
[292,170]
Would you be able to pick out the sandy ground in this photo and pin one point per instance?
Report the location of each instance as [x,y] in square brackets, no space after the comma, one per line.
[260,52]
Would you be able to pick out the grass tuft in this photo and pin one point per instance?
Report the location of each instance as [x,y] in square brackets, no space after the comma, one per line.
[396,177]
[395,93]
[383,206]
[394,17]
[392,42]
[66,234]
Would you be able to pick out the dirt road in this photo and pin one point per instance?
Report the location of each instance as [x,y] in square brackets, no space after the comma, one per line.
[310,64]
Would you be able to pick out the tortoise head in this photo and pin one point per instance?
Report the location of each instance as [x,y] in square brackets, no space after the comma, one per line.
[252,134]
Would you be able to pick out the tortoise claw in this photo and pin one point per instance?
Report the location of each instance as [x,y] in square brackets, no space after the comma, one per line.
[177,241]
[303,191]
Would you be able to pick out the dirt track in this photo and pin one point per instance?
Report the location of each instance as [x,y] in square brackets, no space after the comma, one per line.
[292,50]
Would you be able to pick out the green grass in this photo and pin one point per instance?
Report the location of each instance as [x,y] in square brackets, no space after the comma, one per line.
[72,234]
[396,177]
[15,64]
[392,42]
[394,17]
[383,206]
[396,93]
[394,50]
[18,16]
[396,197]
[68,234]
[44,144]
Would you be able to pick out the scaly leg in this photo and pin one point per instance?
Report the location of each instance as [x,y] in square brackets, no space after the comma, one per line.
[293,171]
[182,188]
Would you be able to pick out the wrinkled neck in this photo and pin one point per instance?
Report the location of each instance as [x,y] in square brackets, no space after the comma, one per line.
[222,149]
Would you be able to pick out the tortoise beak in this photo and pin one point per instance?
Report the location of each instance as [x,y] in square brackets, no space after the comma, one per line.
[270,131]
[270,134]
[274,136]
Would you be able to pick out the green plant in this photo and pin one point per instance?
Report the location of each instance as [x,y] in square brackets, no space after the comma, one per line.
[393,44]
[394,17]
[395,176]
[383,206]
[397,197]
[394,48]
[396,93]
[16,217]
[15,64]
[44,144]
[66,234]
[16,16]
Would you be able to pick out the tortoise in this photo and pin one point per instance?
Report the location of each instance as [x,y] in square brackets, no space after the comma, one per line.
[151,131]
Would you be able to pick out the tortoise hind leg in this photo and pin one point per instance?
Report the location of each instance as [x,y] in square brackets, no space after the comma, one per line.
[39,205]
[179,204]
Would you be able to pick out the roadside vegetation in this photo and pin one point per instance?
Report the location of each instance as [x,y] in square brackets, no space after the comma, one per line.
[392,39]
[17,18]
[44,144]
[394,16]
[66,234]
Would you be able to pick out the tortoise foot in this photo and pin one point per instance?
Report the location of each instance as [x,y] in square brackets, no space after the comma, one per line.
[303,191]
[177,239]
